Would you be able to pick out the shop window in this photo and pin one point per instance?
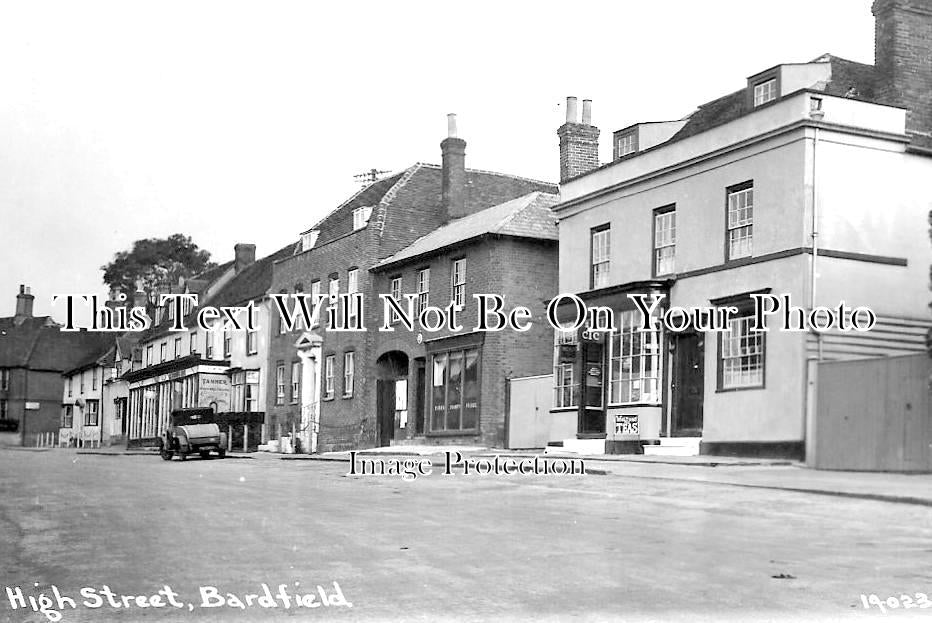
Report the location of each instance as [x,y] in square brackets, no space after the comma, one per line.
[565,385]
[635,362]
[455,391]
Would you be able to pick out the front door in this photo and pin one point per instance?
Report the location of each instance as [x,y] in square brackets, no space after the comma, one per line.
[687,387]
[385,409]
[591,410]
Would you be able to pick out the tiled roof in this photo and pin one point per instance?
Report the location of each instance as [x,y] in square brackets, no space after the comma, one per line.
[250,283]
[527,217]
[420,185]
[38,344]
[845,75]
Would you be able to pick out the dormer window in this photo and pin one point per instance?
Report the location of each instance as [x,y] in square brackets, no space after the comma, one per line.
[765,92]
[308,239]
[361,217]
[625,144]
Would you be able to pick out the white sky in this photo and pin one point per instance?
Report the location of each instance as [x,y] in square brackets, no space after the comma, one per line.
[245,122]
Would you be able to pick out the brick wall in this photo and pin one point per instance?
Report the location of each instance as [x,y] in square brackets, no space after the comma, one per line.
[525,273]
[903,57]
[579,149]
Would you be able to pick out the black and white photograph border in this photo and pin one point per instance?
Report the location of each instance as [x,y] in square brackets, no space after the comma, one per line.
[417,311]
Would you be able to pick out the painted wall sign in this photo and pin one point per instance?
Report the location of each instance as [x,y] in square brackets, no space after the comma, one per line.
[213,389]
[626,425]
[32,406]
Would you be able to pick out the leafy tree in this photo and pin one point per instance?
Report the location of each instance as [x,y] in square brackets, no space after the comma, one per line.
[154,263]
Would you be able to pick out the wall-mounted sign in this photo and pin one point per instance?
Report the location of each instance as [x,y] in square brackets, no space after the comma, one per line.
[626,425]
[32,406]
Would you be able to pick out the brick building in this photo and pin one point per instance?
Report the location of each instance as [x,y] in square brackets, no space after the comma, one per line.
[325,379]
[450,386]
[33,355]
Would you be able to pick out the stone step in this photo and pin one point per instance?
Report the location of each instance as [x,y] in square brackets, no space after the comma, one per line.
[674,446]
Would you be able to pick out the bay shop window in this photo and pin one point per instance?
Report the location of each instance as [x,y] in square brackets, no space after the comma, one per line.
[633,359]
[634,363]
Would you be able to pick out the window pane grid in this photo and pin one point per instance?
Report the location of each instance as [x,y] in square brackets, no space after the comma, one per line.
[740,223]
[635,363]
[665,243]
[601,252]
[742,355]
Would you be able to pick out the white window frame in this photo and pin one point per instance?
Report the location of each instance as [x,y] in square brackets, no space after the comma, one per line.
[252,342]
[163,352]
[601,254]
[295,381]
[741,353]
[177,347]
[309,239]
[4,379]
[665,242]
[626,144]
[565,385]
[329,362]
[280,384]
[192,342]
[361,217]
[349,373]
[89,411]
[635,362]
[352,286]
[394,290]
[423,290]
[458,282]
[765,91]
[315,292]
[740,222]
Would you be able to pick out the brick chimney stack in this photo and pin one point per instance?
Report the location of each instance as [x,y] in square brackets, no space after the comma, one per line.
[24,301]
[903,58]
[244,254]
[453,173]
[579,142]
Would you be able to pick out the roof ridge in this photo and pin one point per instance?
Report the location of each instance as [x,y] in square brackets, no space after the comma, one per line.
[529,198]
[391,193]
[353,197]
[487,172]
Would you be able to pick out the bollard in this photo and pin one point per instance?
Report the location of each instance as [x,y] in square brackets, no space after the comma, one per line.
[229,438]
[245,437]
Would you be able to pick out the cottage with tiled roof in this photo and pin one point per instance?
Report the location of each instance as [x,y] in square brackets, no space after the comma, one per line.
[33,354]
[809,182]
[326,381]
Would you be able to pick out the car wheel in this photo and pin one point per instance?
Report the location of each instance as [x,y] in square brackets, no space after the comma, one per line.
[183,456]
[222,454]
[165,454]
[205,454]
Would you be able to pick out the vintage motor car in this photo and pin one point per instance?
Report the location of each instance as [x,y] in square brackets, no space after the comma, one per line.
[190,431]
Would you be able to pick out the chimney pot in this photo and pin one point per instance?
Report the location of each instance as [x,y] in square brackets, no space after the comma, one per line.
[571,109]
[902,47]
[579,142]
[24,303]
[244,255]
[453,173]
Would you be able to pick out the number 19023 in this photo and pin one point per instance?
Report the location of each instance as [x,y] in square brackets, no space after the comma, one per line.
[916,600]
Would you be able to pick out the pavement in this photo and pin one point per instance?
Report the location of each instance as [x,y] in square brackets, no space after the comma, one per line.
[609,545]
[774,474]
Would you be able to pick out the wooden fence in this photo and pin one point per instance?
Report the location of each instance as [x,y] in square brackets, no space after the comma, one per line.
[873,415]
